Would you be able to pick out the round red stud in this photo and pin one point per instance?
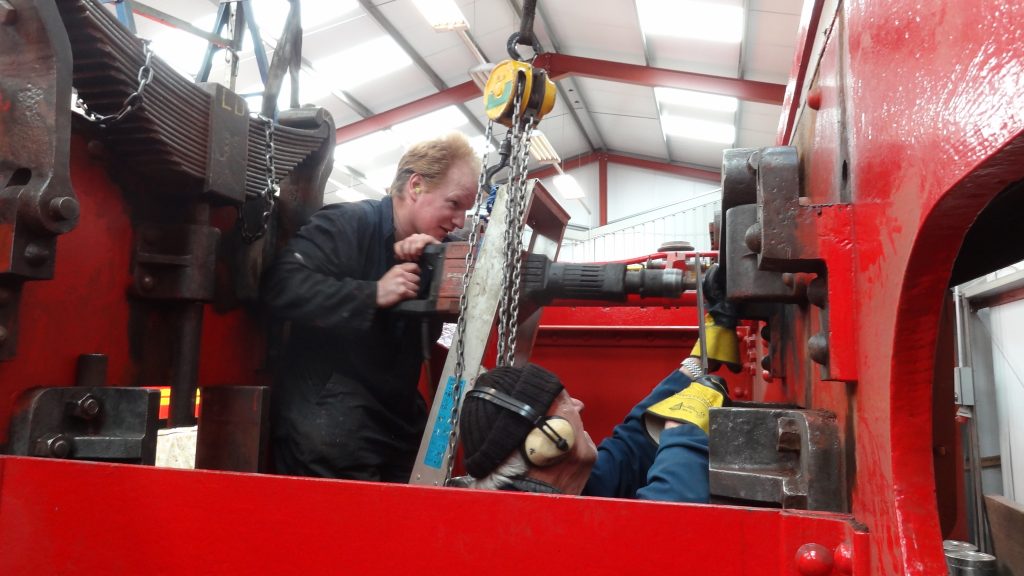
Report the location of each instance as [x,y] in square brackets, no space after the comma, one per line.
[844,558]
[814,560]
[814,98]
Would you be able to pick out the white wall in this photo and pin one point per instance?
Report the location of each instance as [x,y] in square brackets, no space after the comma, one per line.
[588,179]
[1005,325]
[634,190]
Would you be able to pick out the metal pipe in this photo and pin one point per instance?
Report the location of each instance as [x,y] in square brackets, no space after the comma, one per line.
[700,313]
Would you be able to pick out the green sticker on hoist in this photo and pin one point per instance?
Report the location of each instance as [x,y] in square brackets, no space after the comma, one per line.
[442,426]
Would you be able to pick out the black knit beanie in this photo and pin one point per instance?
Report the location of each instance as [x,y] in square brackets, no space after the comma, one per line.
[489,432]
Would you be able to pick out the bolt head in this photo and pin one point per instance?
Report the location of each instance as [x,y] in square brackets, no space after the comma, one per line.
[814,560]
[64,208]
[147,283]
[752,238]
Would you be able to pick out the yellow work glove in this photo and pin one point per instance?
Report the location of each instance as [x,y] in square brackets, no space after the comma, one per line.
[723,345]
[692,405]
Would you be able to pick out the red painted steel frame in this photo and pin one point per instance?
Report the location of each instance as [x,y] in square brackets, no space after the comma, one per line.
[87,518]
[918,114]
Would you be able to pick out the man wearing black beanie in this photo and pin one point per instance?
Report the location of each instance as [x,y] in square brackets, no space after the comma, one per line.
[521,431]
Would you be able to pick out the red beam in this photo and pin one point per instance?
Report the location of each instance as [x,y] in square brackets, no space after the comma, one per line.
[562,65]
[809,20]
[646,164]
[602,190]
[454,95]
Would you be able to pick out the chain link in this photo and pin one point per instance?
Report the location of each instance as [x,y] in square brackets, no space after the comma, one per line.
[268,197]
[132,102]
[508,311]
[460,327]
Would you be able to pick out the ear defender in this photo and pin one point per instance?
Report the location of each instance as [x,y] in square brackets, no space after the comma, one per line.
[549,443]
[552,437]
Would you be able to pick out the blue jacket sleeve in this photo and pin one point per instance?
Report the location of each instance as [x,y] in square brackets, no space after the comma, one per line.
[630,464]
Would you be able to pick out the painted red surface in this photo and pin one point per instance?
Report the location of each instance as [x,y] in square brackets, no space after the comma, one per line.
[84,309]
[87,518]
[919,101]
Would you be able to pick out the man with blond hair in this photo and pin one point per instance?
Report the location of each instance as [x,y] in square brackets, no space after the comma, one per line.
[345,402]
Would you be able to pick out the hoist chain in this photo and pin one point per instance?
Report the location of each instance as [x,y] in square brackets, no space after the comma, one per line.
[460,327]
[268,197]
[508,311]
[133,101]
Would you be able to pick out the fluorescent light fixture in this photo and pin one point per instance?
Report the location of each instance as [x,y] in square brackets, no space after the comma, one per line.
[181,50]
[363,63]
[367,148]
[380,180]
[542,150]
[699,129]
[430,125]
[481,145]
[443,15]
[480,74]
[568,187]
[691,99]
[271,14]
[689,19]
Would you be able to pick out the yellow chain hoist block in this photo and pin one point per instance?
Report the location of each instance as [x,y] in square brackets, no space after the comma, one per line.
[499,94]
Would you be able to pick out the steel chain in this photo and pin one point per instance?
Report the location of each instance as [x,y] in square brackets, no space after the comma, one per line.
[504,306]
[460,327]
[515,255]
[512,269]
[268,197]
[132,102]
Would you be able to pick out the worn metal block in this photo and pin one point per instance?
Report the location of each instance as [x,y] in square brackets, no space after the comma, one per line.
[780,457]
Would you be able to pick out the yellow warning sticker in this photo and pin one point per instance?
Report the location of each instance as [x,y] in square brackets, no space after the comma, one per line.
[691,405]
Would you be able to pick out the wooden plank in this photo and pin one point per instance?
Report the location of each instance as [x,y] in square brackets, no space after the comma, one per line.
[1006,522]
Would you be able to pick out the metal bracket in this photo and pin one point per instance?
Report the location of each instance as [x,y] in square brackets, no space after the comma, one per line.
[101,423]
[36,199]
[175,262]
[790,458]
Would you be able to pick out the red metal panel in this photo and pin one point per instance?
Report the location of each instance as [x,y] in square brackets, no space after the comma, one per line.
[929,141]
[646,164]
[116,519]
[85,308]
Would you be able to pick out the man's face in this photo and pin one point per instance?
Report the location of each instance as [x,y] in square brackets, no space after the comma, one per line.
[584,451]
[442,208]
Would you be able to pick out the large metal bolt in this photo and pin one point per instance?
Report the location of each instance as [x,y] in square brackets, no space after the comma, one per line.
[766,363]
[53,446]
[64,208]
[752,238]
[817,348]
[35,254]
[817,292]
[814,560]
[147,283]
[87,407]
[789,435]
[3,335]
[8,13]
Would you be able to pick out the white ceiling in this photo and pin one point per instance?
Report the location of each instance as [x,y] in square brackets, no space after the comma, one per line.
[617,117]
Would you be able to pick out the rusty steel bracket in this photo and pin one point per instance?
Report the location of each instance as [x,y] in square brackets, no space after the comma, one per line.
[36,200]
[175,262]
[84,423]
[781,457]
[778,248]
